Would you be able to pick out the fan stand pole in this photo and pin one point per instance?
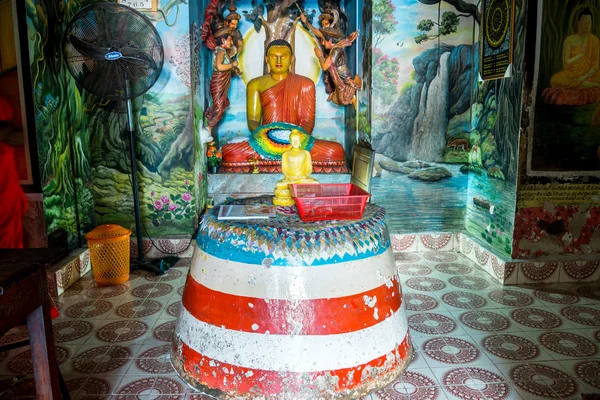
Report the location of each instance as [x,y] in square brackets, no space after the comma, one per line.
[134,182]
[141,262]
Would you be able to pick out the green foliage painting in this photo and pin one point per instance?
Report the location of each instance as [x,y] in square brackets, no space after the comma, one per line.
[63,141]
[83,153]
[448,24]
[384,21]
[385,76]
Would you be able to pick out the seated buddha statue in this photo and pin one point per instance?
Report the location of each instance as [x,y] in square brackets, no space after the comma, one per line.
[296,166]
[280,97]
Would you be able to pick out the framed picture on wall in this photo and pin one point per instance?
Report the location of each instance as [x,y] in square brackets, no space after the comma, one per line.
[564,137]
[497,28]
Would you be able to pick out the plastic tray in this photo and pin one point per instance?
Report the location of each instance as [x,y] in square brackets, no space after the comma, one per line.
[322,202]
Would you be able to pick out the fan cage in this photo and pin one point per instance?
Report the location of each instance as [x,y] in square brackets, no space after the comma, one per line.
[108,27]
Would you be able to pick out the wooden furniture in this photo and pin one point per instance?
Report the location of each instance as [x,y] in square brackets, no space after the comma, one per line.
[363,160]
[24,295]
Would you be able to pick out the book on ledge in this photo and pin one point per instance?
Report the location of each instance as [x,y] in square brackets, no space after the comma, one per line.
[246,212]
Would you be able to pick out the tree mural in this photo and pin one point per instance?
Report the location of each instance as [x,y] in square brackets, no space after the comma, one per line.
[384,79]
[448,24]
[467,9]
[449,20]
[70,122]
[385,76]
[383,22]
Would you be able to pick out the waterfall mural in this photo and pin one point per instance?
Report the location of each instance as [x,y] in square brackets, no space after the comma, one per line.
[423,63]
[446,161]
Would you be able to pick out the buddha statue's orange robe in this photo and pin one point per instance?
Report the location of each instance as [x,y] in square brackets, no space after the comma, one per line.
[293,100]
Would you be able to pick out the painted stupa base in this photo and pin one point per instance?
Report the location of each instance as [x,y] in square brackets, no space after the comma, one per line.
[282,309]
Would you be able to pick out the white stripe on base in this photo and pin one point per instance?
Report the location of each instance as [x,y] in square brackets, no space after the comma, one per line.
[289,352]
[293,283]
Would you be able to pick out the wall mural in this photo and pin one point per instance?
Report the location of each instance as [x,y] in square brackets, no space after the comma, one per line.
[200,135]
[493,160]
[165,141]
[330,120]
[445,161]
[556,219]
[363,115]
[423,61]
[80,135]
[165,148]
[566,131]
[63,141]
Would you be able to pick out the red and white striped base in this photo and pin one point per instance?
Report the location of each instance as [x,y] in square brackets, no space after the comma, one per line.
[320,332]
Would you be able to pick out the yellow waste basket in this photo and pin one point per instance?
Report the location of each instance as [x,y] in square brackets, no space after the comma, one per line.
[109,252]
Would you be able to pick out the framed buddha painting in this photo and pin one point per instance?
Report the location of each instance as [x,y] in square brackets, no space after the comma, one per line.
[564,135]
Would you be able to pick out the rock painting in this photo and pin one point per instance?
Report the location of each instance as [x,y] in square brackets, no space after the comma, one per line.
[422,64]
[442,153]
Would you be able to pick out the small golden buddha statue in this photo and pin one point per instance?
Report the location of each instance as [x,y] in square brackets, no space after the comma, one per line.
[296,166]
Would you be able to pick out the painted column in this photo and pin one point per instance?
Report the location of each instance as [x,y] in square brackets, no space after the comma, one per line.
[281,309]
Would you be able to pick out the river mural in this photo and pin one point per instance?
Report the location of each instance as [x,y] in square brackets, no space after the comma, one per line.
[83,156]
[423,62]
[445,162]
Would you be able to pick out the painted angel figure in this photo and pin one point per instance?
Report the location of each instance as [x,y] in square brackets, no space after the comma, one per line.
[215,20]
[339,83]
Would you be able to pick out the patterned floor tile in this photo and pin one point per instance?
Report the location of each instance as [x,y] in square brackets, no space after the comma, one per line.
[473,339]
[566,345]
[536,318]
[416,384]
[545,380]
[515,346]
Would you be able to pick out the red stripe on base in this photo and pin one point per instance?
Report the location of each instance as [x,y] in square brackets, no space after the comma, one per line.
[239,381]
[285,317]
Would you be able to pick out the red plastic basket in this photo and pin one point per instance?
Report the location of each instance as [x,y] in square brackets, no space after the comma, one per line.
[320,202]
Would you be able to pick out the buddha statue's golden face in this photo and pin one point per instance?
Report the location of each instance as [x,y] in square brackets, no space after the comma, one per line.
[295,138]
[279,59]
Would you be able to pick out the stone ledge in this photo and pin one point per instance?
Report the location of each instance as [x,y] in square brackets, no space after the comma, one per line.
[551,269]
[78,263]
[68,271]
[222,186]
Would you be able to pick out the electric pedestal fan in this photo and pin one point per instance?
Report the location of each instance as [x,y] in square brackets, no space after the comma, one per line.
[115,52]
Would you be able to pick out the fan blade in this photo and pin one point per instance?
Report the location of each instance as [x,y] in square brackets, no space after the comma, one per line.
[88,49]
[137,57]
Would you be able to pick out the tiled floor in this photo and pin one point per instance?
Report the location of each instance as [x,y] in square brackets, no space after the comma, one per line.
[473,339]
